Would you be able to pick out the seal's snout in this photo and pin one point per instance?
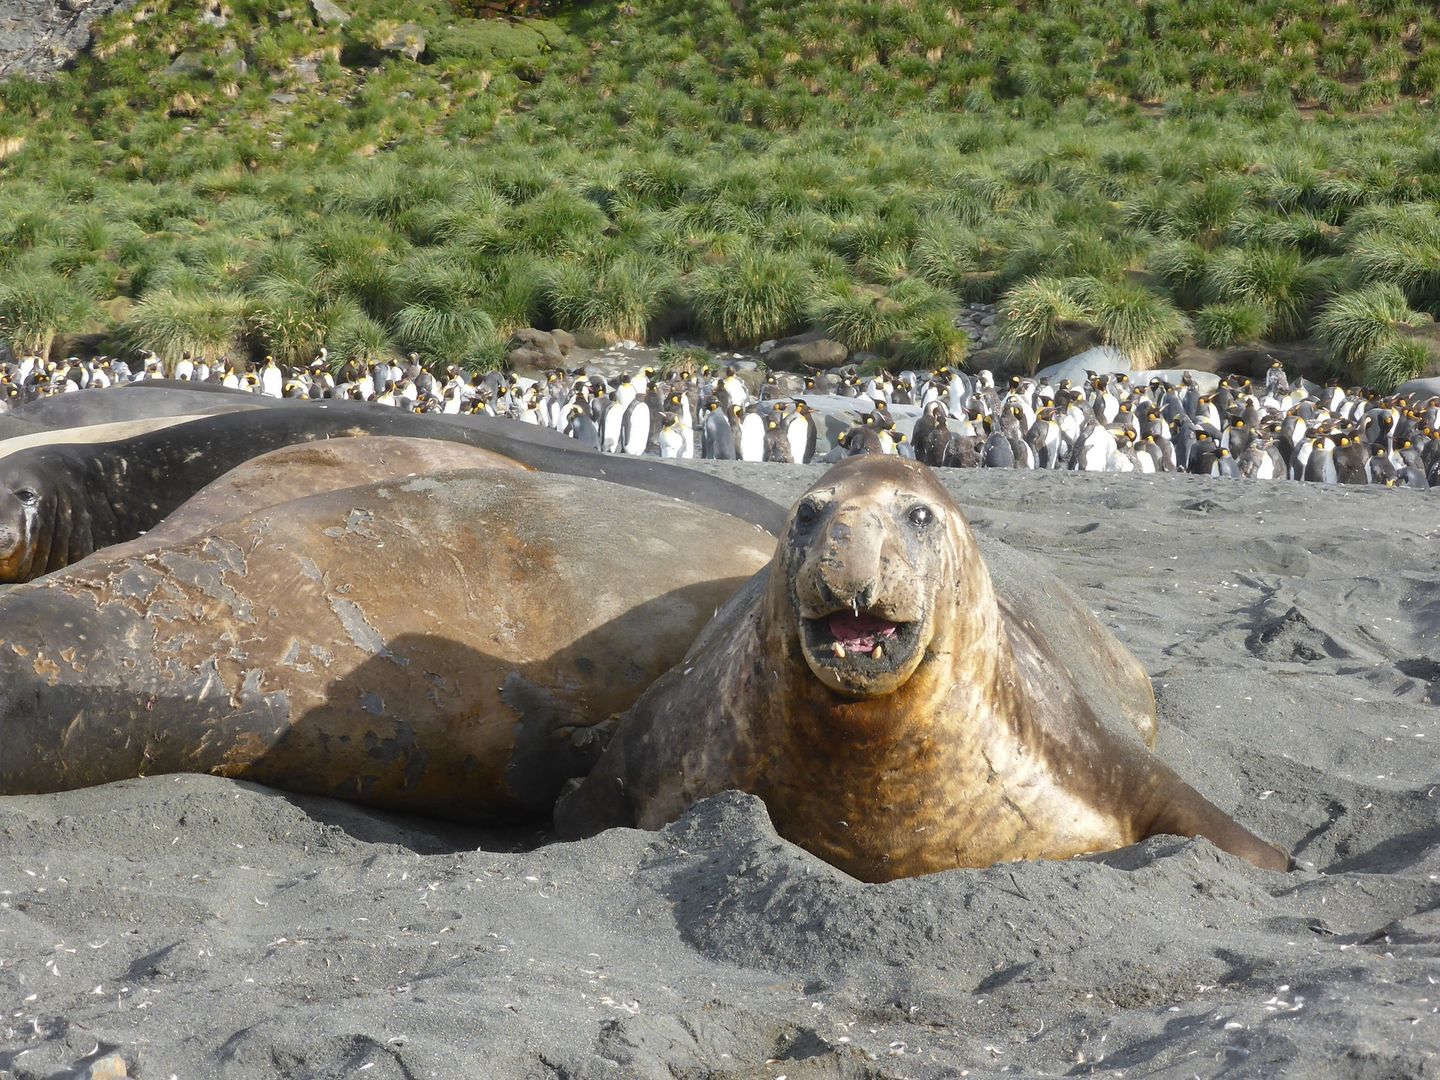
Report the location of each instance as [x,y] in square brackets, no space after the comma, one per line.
[862,623]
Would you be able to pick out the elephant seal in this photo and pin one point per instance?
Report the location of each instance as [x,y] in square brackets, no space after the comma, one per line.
[46,523]
[895,718]
[441,645]
[59,502]
[115,404]
[305,469]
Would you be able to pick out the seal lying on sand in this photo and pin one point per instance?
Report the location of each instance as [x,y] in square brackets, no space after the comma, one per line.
[305,469]
[893,716]
[116,404]
[439,645]
[59,502]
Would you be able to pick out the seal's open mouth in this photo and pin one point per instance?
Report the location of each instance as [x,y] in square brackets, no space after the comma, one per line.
[849,650]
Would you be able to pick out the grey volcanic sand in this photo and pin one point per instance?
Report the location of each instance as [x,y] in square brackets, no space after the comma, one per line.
[211,928]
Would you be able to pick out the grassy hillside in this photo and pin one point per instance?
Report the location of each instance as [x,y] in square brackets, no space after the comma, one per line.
[247,176]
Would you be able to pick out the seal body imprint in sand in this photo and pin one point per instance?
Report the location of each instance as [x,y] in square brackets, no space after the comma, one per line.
[441,645]
[893,716]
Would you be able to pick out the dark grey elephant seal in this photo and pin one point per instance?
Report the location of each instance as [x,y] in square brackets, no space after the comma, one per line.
[893,715]
[116,404]
[443,645]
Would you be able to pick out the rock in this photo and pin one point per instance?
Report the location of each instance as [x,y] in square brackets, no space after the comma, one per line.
[328,12]
[1422,388]
[109,1066]
[564,340]
[284,99]
[215,16]
[39,37]
[808,350]
[189,62]
[307,71]
[1207,381]
[531,348]
[1102,359]
[407,39]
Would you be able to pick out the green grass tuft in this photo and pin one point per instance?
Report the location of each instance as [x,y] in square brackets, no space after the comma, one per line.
[1143,324]
[1218,326]
[616,299]
[1033,313]
[1355,325]
[35,307]
[1397,362]
[1282,283]
[754,295]
[173,323]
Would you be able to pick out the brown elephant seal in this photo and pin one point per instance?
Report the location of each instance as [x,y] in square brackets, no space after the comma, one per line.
[62,500]
[440,645]
[312,468]
[894,717]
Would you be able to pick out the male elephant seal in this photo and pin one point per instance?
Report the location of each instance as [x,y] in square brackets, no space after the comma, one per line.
[305,469]
[439,645]
[894,718]
[59,502]
[115,404]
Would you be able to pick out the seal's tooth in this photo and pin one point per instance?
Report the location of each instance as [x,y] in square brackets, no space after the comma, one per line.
[839,651]
[878,653]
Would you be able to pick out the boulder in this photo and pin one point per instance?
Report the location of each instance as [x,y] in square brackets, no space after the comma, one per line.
[1207,381]
[407,39]
[564,340]
[1102,359]
[328,12]
[1421,388]
[531,348]
[189,62]
[812,349]
[39,37]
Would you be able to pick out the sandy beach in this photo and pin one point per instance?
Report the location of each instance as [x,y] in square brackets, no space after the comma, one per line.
[207,928]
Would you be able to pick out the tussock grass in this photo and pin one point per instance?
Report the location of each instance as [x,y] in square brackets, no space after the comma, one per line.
[742,153]
[864,320]
[1396,362]
[37,306]
[753,295]
[1399,246]
[615,298]
[353,335]
[1355,325]
[1033,313]
[1140,323]
[1282,283]
[1218,326]
[201,323]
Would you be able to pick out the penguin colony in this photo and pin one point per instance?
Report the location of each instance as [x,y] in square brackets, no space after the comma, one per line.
[1331,435]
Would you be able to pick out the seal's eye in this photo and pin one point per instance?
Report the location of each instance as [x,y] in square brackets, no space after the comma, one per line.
[806,513]
[920,516]
[28,496]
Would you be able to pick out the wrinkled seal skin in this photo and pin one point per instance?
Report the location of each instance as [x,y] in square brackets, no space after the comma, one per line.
[94,495]
[963,744]
[305,469]
[442,645]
